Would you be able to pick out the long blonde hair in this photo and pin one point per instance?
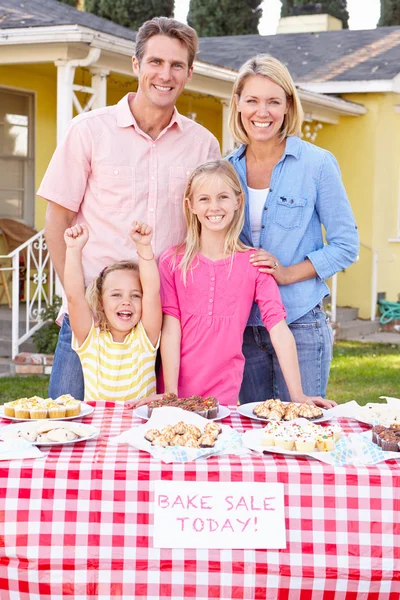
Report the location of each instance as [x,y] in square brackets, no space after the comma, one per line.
[191,247]
[273,69]
[94,291]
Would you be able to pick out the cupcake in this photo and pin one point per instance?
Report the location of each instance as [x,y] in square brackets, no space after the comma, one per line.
[326,442]
[22,410]
[64,399]
[56,411]
[284,441]
[73,408]
[305,444]
[389,440]
[9,408]
[38,411]
[375,433]
[268,437]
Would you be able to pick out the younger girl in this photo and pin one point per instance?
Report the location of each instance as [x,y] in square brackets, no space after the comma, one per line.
[116,324]
[208,286]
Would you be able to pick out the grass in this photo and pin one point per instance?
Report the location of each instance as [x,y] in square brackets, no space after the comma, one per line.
[360,372]
[363,372]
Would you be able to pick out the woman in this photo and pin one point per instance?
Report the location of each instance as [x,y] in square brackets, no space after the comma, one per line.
[292,189]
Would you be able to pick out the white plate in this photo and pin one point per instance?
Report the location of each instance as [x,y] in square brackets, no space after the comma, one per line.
[252,439]
[222,413]
[86,410]
[246,410]
[95,432]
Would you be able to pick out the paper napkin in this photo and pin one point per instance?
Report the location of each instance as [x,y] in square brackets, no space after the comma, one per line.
[229,441]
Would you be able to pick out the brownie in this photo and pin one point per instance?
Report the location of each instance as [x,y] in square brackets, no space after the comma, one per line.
[205,407]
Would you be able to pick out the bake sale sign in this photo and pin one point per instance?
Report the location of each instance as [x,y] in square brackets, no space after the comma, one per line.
[192,514]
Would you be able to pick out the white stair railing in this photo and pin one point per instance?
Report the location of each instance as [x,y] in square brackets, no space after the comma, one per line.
[39,287]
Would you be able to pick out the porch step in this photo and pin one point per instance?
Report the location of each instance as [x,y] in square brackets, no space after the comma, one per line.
[5,346]
[6,367]
[343,315]
[354,330]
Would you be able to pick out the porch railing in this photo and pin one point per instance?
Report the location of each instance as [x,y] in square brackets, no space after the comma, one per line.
[39,280]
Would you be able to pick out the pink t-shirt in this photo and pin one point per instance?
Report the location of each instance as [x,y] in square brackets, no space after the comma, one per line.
[111,173]
[213,309]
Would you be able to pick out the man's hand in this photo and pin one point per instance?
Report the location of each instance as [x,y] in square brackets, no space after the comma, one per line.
[141,233]
[76,236]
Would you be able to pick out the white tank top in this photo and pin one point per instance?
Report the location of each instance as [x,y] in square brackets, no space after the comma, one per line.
[257,199]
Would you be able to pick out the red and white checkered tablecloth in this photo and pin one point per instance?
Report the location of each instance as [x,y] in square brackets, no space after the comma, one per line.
[78,524]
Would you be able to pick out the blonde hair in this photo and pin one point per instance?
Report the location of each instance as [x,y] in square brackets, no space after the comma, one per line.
[170,28]
[191,247]
[273,69]
[94,291]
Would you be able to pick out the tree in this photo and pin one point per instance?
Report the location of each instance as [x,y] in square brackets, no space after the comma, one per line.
[335,8]
[130,13]
[224,17]
[390,13]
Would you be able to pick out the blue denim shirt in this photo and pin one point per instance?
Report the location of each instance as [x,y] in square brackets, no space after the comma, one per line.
[306,191]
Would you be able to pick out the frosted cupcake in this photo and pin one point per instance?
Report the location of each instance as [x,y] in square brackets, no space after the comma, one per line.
[306,443]
[38,411]
[55,411]
[22,410]
[64,399]
[326,442]
[284,441]
[9,407]
[336,430]
[268,437]
[73,408]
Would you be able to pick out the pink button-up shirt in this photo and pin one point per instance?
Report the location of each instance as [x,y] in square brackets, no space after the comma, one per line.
[213,308]
[111,173]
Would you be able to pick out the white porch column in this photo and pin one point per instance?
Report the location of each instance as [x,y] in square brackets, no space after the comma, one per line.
[99,84]
[65,80]
[228,143]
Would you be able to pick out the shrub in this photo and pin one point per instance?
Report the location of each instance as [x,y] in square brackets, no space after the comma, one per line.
[45,339]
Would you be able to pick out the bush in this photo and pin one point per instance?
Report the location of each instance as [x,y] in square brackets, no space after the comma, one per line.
[45,339]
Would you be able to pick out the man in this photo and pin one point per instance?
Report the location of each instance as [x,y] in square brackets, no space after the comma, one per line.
[124,163]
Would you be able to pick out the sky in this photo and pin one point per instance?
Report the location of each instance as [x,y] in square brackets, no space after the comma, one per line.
[364,14]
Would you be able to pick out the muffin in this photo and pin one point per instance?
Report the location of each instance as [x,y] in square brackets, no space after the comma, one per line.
[38,411]
[9,408]
[284,441]
[73,408]
[326,442]
[305,444]
[22,410]
[56,411]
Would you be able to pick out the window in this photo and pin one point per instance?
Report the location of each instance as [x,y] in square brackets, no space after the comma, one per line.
[17,193]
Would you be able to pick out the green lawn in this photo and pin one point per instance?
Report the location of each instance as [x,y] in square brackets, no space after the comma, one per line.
[361,372]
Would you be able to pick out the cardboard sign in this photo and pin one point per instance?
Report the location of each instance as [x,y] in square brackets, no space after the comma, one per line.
[194,514]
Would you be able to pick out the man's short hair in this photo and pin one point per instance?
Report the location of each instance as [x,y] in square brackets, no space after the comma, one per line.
[170,28]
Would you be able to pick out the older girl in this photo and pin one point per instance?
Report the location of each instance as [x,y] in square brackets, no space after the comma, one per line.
[208,286]
[292,189]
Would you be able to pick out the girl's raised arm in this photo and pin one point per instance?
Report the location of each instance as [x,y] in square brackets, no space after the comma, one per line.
[151,318]
[74,284]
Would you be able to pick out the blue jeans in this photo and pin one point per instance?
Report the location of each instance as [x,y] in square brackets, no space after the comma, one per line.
[263,377]
[66,374]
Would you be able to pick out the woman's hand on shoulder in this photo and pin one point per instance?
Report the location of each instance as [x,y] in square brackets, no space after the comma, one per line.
[266,262]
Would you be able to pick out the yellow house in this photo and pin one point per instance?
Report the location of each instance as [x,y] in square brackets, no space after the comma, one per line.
[56,62]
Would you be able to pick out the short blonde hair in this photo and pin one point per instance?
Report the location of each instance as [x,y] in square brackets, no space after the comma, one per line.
[94,291]
[273,69]
[191,247]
